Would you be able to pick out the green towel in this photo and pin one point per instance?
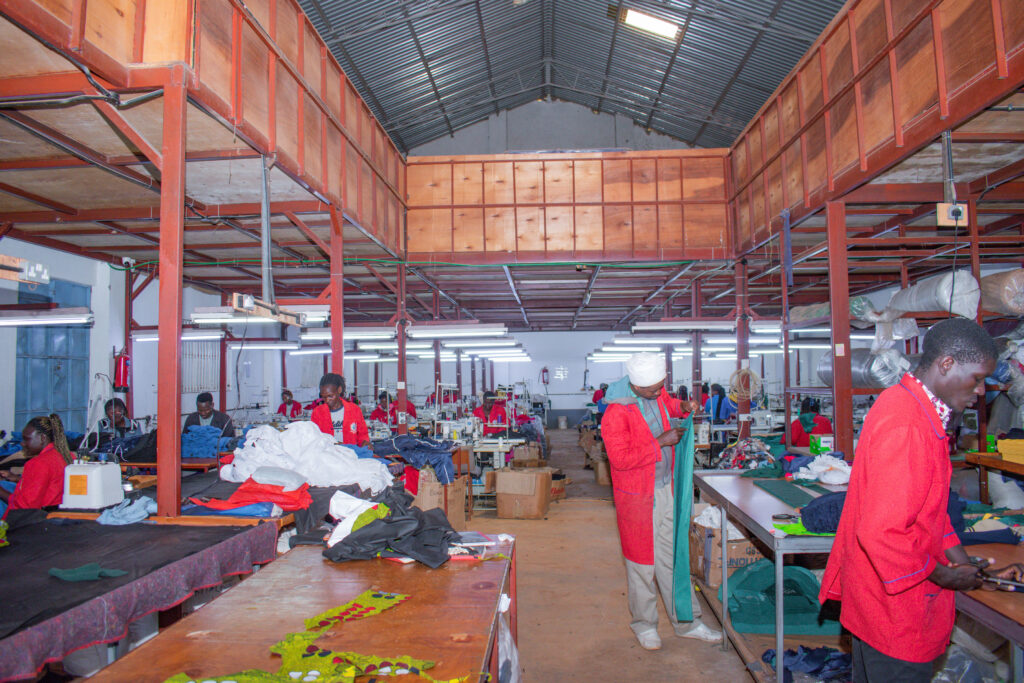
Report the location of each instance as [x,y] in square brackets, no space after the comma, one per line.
[87,572]
[788,492]
[797,529]
[683,491]
[807,421]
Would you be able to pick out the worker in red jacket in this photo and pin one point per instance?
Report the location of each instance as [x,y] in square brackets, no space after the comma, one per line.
[387,410]
[599,393]
[492,415]
[289,406]
[809,422]
[641,456]
[896,561]
[42,480]
[336,416]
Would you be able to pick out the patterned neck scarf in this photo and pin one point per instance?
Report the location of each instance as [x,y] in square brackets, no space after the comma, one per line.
[940,406]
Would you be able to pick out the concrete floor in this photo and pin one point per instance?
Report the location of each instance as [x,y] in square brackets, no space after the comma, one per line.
[573,619]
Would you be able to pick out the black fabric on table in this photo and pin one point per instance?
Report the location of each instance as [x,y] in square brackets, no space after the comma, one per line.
[312,517]
[31,595]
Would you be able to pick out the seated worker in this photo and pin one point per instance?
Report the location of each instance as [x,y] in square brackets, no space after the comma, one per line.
[387,409]
[682,393]
[704,394]
[446,397]
[599,394]
[491,414]
[718,406]
[42,481]
[206,415]
[289,406]
[117,423]
[808,423]
[337,417]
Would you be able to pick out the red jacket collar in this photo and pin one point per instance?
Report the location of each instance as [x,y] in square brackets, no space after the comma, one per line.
[907,382]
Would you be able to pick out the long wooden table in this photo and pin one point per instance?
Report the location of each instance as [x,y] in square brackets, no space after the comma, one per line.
[1001,611]
[451,618]
[991,461]
[199,464]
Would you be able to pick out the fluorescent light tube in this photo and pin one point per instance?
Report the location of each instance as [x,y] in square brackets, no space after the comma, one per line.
[349,333]
[459,343]
[263,346]
[455,330]
[645,22]
[212,335]
[653,339]
[798,345]
[695,325]
[54,316]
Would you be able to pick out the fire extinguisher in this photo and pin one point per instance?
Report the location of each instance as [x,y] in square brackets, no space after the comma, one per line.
[122,371]
[544,375]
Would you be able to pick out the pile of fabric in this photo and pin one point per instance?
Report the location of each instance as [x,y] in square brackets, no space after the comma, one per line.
[821,663]
[977,523]
[304,449]
[743,455]
[827,469]
[421,452]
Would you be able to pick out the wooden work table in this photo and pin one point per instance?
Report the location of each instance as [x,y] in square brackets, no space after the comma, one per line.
[200,464]
[991,461]
[1001,611]
[451,618]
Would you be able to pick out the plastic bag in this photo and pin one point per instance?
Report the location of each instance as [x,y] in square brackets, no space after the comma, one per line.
[961,667]
[869,370]
[1003,292]
[957,293]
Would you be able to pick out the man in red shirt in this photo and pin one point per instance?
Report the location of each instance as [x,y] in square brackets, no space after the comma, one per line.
[337,417]
[896,561]
[387,410]
[491,414]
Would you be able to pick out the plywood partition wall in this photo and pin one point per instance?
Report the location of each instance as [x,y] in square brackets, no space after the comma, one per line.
[537,207]
[885,78]
[259,66]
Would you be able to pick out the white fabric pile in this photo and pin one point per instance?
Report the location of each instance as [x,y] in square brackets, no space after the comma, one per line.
[346,509]
[711,517]
[827,469]
[303,448]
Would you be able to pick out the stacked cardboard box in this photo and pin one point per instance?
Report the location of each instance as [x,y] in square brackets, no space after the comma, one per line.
[706,552]
[452,498]
[523,494]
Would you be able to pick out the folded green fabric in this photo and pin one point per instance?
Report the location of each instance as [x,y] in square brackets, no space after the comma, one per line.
[773,471]
[797,529]
[87,572]
[788,492]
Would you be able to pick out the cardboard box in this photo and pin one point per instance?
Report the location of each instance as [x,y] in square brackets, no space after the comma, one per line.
[529,462]
[452,498]
[706,552]
[558,487]
[602,475]
[490,478]
[530,451]
[523,494]
[822,443]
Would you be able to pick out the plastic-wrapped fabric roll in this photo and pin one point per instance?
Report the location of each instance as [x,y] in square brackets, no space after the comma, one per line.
[935,294]
[1003,292]
[869,371]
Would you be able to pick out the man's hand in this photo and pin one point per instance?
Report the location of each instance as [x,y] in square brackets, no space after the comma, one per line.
[1013,572]
[690,406]
[956,577]
[671,437]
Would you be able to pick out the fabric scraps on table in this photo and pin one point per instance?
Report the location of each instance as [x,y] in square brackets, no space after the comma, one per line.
[251,492]
[3,534]
[258,510]
[421,452]
[128,512]
[303,660]
[745,454]
[87,572]
[752,601]
[202,441]
[823,663]
[788,492]
[798,529]
[991,527]
[770,470]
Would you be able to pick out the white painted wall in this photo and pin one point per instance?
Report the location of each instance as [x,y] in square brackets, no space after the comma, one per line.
[107,306]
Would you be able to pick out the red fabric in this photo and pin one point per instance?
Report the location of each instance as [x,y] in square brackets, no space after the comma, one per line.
[296,409]
[598,395]
[42,481]
[633,453]
[391,417]
[894,529]
[313,404]
[412,479]
[353,426]
[497,416]
[704,398]
[802,439]
[250,492]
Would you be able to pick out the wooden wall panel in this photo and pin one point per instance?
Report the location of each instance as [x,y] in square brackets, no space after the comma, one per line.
[903,11]
[794,174]
[366,195]
[877,106]
[468,234]
[771,130]
[58,8]
[558,185]
[754,147]
[261,11]
[529,182]
[287,114]
[869,28]
[110,26]
[587,181]
[703,179]
[774,198]
[645,175]
[332,96]
[670,180]
[589,228]
[499,232]
[816,176]
[790,114]
[1013,23]
[843,122]
[214,59]
[431,228]
[618,229]
[166,32]
[915,59]
[617,185]
[810,86]
[705,226]
[351,178]
[311,142]
[670,226]
[468,185]
[287,34]
[838,63]
[255,73]
[351,120]
[645,227]
[558,228]
[966,53]
[430,185]
[335,161]
[311,61]
[498,185]
[529,227]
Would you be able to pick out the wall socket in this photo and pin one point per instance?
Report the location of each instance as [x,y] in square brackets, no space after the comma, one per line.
[950,215]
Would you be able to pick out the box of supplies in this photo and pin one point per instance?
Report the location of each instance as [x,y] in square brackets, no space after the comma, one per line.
[822,443]
[1012,450]
[523,494]
[602,474]
[451,498]
[706,552]
[91,486]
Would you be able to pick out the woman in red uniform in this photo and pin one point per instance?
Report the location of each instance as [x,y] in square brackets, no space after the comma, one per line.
[337,417]
[289,406]
[809,422]
[42,481]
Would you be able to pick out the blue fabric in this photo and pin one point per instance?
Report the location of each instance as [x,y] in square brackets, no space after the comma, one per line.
[421,452]
[201,441]
[619,389]
[12,446]
[262,510]
[8,485]
[128,512]
[728,408]
[361,451]
[792,463]
[824,663]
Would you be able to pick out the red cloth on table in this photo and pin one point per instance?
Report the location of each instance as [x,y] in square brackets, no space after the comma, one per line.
[42,481]
[412,479]
[295,411]
[250,492]
[353,426]
[894,529]
[633,453]
[802,439]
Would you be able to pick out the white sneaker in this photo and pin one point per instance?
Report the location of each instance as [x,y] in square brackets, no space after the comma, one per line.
[649,640]
[700,631]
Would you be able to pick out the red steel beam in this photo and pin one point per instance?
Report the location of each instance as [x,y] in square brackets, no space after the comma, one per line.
[172,252]
[114,117]
[839,297]
[37,199]
[337,251]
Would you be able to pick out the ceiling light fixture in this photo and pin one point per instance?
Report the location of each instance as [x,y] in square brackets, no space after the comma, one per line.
[263,346]
[718,325]
[53,316]
[646,22]
[350,334]
[205,335]
[455,330]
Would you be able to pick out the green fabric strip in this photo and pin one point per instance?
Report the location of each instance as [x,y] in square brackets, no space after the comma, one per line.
[817,488]
[788,492]
[683,494]
[797,529]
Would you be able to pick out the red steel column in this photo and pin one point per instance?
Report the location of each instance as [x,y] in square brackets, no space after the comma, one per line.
[472,375]
[437,351]
[786,394]
[402,393]
[839,298]
[337,294]
[973,229]
[172,248]
[222,395]
[742,342]
[695,369]
[129,289]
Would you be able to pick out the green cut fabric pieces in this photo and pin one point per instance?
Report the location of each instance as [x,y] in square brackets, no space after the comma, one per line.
[248,676]
[683,502]
[797,529]
[773,471]
[378,511]
[981,508]
[807,421]
[87,572]
[788,492]
[817,488]
[3,534]
[367,604]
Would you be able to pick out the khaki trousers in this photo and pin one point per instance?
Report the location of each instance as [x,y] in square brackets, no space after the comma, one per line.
[641,578]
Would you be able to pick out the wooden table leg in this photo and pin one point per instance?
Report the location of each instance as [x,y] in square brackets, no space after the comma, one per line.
[983,485]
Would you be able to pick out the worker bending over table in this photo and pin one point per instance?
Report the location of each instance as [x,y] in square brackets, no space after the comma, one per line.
[337,417]
[642,457]
[206,415]
[42,480]
[897,561]
[492,415]
[807,423]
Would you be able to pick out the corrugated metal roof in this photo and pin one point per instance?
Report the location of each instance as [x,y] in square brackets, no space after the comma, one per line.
[429,67]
